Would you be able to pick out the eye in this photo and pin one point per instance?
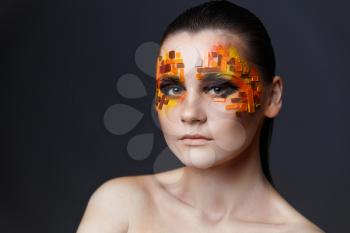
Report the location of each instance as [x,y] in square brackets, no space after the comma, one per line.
[172,90]
[222,91]
[216,90]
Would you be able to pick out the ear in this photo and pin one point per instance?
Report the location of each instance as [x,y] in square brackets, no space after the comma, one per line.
[274,98]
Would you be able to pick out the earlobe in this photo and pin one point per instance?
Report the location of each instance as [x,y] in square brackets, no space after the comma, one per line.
[274,98]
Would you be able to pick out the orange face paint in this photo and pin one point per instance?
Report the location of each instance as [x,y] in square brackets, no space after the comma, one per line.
[170,65]
[221,60]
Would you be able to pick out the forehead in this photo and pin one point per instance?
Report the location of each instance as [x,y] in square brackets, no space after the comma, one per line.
[198,44]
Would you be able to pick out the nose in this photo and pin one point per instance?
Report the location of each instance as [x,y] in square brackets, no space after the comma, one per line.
[193,111]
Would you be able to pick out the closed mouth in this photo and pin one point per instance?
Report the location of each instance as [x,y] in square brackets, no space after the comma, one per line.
[195,137]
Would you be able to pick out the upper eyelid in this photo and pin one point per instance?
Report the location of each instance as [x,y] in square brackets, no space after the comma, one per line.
[208,79]
[214,83]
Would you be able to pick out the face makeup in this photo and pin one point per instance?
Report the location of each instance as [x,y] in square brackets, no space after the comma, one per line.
[224,67]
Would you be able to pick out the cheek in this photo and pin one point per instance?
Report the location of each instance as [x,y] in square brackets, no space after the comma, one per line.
[228,129]
[229,134]
[170,115]
[169,120]
[167,127]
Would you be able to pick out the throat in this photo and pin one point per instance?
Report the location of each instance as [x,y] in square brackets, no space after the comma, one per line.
[213,217]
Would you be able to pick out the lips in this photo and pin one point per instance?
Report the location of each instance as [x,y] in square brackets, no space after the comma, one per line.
[195,140]
[195,136]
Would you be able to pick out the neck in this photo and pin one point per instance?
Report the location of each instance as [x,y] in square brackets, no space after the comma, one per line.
[233,188]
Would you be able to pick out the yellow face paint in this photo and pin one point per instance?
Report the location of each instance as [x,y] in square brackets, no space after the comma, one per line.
[222,61]
[169,67]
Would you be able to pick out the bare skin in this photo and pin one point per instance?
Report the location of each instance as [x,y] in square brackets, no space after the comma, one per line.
[140,204]
[226,194]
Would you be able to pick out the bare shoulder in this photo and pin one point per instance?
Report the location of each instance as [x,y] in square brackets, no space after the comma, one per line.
[298,223]
[304,227]
[295,221]
[111,205]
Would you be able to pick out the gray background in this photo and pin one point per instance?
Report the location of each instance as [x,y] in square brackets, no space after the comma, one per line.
[60,61]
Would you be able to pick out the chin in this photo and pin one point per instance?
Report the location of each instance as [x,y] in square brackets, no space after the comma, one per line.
[198,157]
[209,158]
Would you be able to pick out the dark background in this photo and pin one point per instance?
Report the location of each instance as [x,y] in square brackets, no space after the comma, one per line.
[59,64]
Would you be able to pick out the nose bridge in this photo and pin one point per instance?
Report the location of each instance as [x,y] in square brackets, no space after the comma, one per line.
[192,96]
[193,104]
[193,92]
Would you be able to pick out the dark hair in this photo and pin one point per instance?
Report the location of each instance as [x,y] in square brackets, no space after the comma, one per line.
[236,20]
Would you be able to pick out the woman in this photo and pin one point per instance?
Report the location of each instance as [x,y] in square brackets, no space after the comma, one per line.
[216,97]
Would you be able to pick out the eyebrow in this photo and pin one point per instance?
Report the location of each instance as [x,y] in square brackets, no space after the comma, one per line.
[214,76]
[169,79]
[169,76]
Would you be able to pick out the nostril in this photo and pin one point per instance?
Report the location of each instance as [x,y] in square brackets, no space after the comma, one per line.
[193,109]
[198,117]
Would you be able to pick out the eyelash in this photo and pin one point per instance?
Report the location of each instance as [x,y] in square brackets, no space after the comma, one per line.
[227,89]
[166,88]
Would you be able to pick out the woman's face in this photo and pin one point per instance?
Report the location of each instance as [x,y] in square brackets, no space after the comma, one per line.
[206,86]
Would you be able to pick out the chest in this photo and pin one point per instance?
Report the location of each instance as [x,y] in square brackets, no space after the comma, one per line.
[165,220]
